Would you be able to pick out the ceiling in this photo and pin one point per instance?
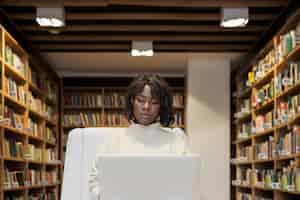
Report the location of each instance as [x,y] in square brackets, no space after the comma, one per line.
[94,27]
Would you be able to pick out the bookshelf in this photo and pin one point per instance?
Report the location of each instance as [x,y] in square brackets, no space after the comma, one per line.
[102,105]
[29,141]
[265,137]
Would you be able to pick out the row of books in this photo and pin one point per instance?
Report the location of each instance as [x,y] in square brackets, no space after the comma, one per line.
[287,77]
[247,196]
[263,122]
[264,150]
[114,100]
[178,100]
[286,178]
[51,113]
[287,42]
[83,119]
[12,58]
[15,90]
[18,178]
[178,118]
[43,83]
[288,142]
[32,196]
[115,118]
[14,197]
[244,108]
[35,103]
[263,95]
[85,100]
[34,128]
[262,67]
[16,120]
[50,135]
[287,108]
[244,130]
[13,148]
[33,177]
[50,155]
[13,178]
[245,153]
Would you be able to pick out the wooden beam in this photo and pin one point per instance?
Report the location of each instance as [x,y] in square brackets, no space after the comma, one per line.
[154,37]
[157,47]
[142,16]
[145,28]
[157,3]
[202,3]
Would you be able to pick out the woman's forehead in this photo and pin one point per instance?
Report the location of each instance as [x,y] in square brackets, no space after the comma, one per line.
[147,92]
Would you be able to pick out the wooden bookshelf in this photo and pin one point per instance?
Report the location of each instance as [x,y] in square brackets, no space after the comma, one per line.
[273,143]
[27,130]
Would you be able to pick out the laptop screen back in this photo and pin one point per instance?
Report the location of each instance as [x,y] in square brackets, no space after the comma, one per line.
[149,177]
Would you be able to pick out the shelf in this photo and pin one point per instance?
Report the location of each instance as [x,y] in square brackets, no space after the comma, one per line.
[114,107]
[50,101]
[35,138]
[14,160]
[14,102]
[15,130]
[242,163]
[244,118]
[49,122]
[30,187]
[35,89]
[243,140]
[263,161]
[37,114]
[14,189]
[245,93]
[242,186]
[289,157]
[291,90]
[176,107]
[263,133]
[264,107]
[14,73]
[50,144]
[82,108]
[265,79]
[263,188]
[35,162]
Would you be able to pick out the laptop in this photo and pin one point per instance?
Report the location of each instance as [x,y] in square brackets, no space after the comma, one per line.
[149,177]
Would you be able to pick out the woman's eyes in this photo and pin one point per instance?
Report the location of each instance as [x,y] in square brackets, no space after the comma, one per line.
[141,100]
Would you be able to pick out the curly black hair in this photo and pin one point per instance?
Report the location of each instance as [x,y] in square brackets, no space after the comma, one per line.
[159,89]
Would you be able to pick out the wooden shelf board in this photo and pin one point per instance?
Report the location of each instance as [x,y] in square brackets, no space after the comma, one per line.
[36,90]
[14,160]
[14,73]
[264,133]
[266,78]
[15,102]
[264,106]
[243,140]
[245,93]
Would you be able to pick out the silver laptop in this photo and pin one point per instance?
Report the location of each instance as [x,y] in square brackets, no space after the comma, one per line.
[149,177]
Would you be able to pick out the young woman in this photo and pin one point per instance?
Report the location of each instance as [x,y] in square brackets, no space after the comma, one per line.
[149,110]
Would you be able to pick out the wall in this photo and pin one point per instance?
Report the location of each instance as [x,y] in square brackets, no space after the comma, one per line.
[208,121]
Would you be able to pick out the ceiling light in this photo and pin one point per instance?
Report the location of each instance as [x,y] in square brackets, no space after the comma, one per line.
[142,48]
[51,17]
[234,17]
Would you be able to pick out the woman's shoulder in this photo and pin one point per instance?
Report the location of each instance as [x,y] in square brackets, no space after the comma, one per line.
[175,132]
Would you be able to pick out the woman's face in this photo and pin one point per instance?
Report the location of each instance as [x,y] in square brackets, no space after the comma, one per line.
[145,107]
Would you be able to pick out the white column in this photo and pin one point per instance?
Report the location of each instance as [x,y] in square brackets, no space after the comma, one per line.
[208,121]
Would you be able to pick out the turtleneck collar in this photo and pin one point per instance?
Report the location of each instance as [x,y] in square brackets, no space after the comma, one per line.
[151,126]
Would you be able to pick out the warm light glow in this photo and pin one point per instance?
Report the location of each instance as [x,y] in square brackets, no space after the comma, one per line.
[239,22]
[142,48]
[135,52]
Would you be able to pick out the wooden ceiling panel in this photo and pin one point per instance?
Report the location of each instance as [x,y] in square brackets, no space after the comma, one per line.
[173,25]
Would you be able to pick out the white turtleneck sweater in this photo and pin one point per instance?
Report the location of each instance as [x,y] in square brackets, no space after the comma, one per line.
[140,139]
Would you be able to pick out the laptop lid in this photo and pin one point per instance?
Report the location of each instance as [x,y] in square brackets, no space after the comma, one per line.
[149,177]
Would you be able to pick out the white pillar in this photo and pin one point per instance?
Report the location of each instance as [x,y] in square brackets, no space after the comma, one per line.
[208,121]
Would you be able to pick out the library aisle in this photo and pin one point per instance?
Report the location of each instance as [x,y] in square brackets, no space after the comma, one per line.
[232,68]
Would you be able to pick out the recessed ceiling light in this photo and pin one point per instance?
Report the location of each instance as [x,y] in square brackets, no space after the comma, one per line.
[234,17]
[50,17]
[142,48]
